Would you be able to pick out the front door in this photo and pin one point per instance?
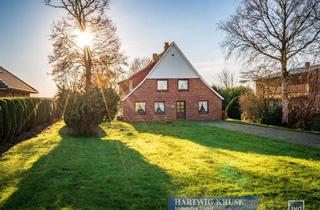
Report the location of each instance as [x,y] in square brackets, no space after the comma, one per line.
[181,109]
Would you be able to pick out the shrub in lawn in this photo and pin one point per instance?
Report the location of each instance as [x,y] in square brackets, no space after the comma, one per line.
[86,110]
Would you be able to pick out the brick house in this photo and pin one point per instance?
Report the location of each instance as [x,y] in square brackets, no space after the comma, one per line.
[12,86]
[168,88]
[298,86]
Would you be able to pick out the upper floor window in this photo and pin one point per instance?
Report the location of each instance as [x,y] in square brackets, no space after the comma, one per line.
[140,107]
[203,107]
[162,85]
[159,107]
[183,84]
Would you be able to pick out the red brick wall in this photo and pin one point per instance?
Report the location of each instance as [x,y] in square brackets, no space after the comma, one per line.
[147,92]
[9,93]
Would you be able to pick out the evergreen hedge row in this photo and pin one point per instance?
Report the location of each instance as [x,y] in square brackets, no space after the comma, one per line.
[18,115]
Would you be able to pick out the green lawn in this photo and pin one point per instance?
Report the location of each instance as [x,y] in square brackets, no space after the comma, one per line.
[140,165]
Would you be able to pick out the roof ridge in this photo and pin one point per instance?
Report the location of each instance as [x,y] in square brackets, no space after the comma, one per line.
[152,62]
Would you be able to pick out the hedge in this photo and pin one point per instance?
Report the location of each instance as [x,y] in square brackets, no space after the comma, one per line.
[18,115]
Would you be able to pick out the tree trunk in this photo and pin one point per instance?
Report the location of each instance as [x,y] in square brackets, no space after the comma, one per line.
[285,103]
[88,66]
[284,93]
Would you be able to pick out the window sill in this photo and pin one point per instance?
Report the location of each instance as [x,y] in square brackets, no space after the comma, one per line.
[203,112]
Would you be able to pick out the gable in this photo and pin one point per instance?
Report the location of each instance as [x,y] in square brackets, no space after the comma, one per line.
[173,65]
[173,69]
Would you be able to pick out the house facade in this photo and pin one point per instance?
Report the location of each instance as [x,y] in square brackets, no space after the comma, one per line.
[168,88]
[303,83]
[12,86]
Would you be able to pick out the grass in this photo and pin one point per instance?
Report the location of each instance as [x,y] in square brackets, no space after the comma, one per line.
[140,165]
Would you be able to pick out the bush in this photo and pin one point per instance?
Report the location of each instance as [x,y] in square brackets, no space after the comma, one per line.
[251,107]
[13,116]
[272,115]
[230,104]
[233,109]
[18,115]
[85,111]
[315,122]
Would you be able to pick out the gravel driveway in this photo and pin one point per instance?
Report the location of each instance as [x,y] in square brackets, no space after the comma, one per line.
[284,135]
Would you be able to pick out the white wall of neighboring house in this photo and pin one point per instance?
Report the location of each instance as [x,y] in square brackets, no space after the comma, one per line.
[173,65]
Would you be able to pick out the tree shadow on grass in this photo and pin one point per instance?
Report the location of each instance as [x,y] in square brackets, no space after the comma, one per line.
[91,173]
[275,189]
[214,137]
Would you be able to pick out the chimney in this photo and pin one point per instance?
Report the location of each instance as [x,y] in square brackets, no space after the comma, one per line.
[306,66]
[166,45]
[154,56]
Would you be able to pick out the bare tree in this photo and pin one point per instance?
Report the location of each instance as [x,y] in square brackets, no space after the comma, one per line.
[77,66]
[137,64]
[278,32]
[305,107]
[226,78]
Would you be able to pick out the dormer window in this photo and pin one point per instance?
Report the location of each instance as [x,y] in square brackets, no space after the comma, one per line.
[183,84]
[162,85]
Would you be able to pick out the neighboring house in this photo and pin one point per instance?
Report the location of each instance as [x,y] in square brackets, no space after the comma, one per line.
[299,86]
[12,86]
[168,88]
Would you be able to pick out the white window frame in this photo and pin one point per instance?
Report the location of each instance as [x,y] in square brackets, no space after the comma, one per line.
[135,107]
[162,80]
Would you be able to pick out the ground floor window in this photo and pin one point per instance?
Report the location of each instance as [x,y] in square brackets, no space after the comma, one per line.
[159,107]
[140,107]
[203,107]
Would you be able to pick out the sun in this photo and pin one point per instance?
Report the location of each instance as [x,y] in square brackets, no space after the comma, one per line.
[84,39]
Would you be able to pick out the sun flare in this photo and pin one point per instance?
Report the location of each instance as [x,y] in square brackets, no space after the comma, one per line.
[84,39]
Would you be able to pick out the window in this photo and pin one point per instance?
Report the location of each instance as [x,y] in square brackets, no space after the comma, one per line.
[203,107]
[159,107]
[183,84]
[140,107]
[162,85]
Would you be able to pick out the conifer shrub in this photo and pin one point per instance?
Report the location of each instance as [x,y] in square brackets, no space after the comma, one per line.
[86,110]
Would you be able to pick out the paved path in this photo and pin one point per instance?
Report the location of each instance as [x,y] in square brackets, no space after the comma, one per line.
[284,135]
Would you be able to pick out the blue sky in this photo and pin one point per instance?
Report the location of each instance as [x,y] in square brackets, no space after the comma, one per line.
[143,27]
